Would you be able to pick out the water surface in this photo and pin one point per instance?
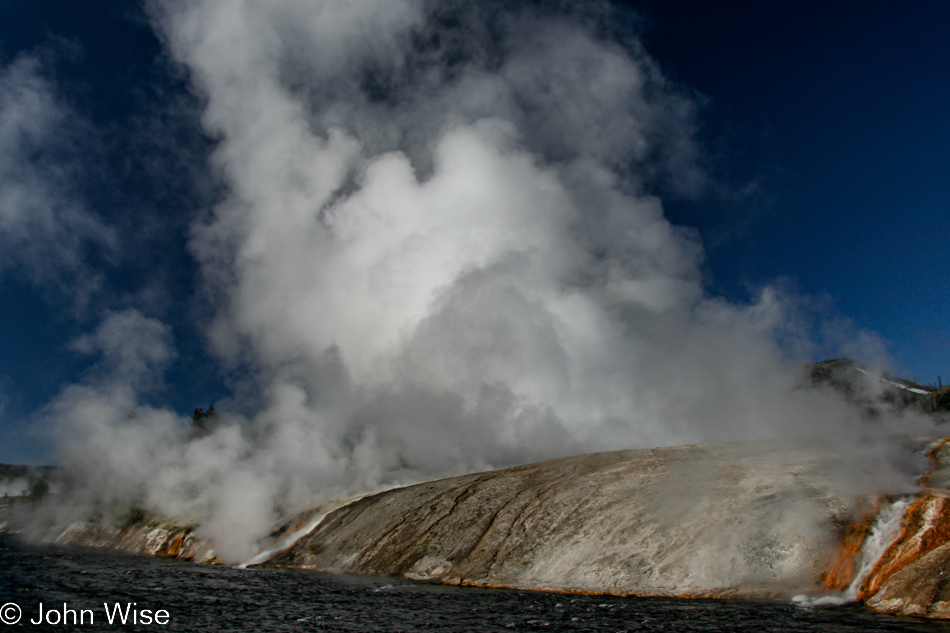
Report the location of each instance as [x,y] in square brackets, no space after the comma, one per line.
[214,598]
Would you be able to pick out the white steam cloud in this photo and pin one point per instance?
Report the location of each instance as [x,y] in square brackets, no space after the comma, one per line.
[437,252]
[44,228]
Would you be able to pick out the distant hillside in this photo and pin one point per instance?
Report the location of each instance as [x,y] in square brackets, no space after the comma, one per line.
[20,482]
[8,471]
[872,388]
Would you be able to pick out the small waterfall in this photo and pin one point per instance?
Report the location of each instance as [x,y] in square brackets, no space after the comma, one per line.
[288,539]
[887,527]
[292,537]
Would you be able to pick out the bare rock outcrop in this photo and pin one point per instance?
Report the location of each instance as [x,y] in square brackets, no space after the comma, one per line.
[919,588]
[757,519]
[166,540]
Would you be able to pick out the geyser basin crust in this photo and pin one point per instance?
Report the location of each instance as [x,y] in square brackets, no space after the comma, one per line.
[757,519]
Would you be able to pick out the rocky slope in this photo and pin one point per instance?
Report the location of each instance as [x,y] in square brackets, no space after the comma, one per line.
[167,540]
[150,536]
[752,519]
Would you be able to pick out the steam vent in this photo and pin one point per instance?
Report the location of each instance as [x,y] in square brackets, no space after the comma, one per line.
[788,520]
[763,519]
[754,519]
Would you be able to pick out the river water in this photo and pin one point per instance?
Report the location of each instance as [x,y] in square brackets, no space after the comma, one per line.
[96,584]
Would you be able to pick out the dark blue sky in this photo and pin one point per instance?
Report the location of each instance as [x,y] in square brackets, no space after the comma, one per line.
[825,126]
[838,112]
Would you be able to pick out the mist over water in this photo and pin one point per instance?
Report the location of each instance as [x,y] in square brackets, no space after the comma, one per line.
[440,248]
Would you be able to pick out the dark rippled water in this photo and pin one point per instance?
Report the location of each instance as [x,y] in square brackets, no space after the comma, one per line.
[209,598]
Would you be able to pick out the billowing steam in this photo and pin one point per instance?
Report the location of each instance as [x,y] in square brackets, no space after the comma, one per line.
[438,251]
[44,228]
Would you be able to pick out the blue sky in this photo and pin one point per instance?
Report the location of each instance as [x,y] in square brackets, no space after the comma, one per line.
[837,111]
[822,131]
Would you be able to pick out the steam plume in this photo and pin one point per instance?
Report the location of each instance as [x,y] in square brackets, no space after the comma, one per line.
[438,251]
[43,225]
